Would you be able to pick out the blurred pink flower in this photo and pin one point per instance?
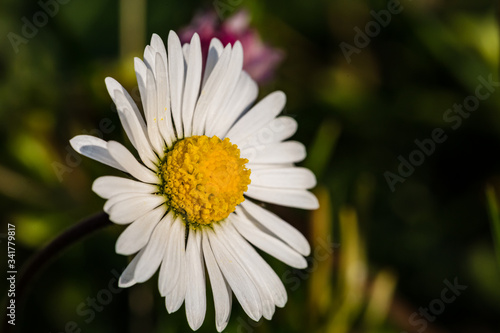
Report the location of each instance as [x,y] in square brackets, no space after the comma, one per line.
[260,59]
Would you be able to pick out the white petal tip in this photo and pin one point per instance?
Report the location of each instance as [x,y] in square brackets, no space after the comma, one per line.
[126,283]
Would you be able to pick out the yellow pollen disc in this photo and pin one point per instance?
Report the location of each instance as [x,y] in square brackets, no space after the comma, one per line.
[204,179]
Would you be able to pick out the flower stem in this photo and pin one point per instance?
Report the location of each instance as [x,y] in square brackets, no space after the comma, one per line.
[49,252]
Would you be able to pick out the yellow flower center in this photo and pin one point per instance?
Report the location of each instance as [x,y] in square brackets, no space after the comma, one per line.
[204,179]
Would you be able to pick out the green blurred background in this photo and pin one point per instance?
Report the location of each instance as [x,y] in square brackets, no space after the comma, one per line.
[378,255]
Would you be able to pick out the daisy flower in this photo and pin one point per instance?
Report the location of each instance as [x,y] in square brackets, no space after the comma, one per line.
[205,153]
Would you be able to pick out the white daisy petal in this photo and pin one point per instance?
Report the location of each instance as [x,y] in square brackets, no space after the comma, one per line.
[164,117]
[262,166]
[268,244]
[96,149]
[237,277]
[131,209]
[275,289]
[127,103]
[227,84]
[257,117]
[174,300]
[221,293]
[185,51]
[284,197]
[253,266]
[118,198]
[192,87]
[158,45]
[296,178]
[141,73]
[278,227]
[173,261]
[277,130]
[112,85]
[130,164]
[152,118]
[153,252]
[210,96]
[243,96]
[196,303]
[176,80]
[282,152]
[137,234]
[108,186]
[214,51]
[134,130]
[149,57]
[127,277]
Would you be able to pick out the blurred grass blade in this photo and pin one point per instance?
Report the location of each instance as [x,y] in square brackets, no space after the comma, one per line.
[320,282]
[132,27]
[323,146]
[494,218]
[382,292]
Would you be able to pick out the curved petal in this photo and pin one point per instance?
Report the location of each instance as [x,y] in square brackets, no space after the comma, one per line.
[127,277]
[284,197]
[164,118]
[134,130]
[237,276]
[294,178]
[176,80]
[130,164]
[95,149]
[152,115]
[221,291]
[276,130]
[278,227]
[137,234]
[192,86]
[153,252]
[214,51]
[257,117]
[210,95]
[272,287]
[196,302]
[282,152]
[108,186]
[228,83]
[174,259]
[131,209]
[243,96]
[127,103]
[267,243]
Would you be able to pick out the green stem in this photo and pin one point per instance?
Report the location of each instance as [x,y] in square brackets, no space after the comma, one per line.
[35,264]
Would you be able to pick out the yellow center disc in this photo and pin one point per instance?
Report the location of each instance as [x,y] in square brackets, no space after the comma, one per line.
[204,179]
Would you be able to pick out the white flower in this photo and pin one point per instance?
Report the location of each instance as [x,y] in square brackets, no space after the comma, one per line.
[205,150]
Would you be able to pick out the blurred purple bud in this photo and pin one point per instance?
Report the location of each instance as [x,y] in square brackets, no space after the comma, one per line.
[260,60]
